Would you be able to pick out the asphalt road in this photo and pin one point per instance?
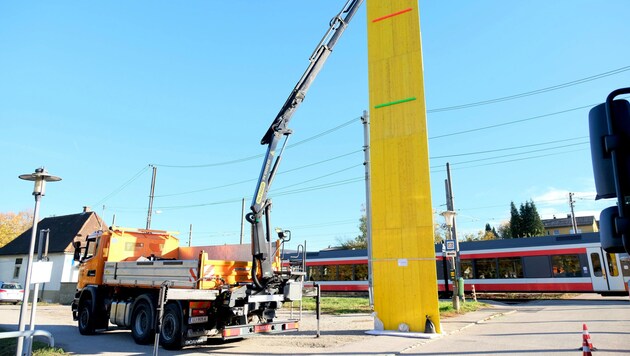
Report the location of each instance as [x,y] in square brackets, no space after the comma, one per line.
[549,327]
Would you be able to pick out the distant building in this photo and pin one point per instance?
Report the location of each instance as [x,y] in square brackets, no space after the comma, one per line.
[563,226]
[64,230]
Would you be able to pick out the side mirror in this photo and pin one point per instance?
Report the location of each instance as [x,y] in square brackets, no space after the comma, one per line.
[77,250]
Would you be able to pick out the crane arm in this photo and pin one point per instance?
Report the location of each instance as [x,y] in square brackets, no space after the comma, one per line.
[277,131]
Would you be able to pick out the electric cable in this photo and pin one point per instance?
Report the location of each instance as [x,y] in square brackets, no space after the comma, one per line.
[530,93]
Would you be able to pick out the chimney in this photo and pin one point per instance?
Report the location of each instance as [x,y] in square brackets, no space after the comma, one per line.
[86,209]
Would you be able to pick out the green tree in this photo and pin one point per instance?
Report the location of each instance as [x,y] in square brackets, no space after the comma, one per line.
[490,233]
[12,225]
[360,241]
[516,222]
[531,223]
[504,231]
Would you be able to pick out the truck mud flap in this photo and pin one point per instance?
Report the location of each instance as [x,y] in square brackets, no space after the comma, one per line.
[231,332]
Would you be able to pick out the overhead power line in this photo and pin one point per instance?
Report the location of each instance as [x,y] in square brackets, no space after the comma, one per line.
[513,154]
[530,93]
[508,148]
[509,161]
[249,158]
[253,179]
[341,182]
[123,186]
[510,122]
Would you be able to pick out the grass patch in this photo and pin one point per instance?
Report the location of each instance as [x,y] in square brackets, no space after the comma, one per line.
[339,305]
[446,308]
[348,305]
[9,346]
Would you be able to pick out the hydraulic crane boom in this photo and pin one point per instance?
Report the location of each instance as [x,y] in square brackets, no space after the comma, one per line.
[261,205]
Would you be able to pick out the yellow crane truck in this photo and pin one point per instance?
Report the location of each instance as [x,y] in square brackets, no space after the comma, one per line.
[143,279]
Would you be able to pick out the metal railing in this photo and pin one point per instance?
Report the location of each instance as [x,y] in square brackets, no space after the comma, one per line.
[29,334]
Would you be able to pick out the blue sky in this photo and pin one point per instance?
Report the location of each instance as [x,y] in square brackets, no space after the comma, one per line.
[98,91]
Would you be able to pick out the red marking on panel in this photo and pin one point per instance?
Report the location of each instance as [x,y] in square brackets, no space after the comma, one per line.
[391,15]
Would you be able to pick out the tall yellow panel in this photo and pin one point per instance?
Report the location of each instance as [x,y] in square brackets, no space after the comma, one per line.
[403,255]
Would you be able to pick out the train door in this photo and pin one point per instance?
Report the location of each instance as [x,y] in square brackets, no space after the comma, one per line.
[605,270]
[615,275]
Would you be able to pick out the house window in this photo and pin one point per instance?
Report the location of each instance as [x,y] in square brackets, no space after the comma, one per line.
[556,232]
[16,269]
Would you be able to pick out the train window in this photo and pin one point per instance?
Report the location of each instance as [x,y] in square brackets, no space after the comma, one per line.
[510,267]
[486,268]
[536,267]
[597,264]
[612,264]
[361,272]
[345,272]
[315,273]
[329,273]
[566,266]
[467,270]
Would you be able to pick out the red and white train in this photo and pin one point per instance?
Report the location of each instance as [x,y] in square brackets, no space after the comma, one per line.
[563,263]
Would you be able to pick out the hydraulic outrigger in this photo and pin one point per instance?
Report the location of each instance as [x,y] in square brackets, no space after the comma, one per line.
[261,205]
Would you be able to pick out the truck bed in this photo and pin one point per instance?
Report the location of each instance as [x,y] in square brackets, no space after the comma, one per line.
[202,273]
[183,273]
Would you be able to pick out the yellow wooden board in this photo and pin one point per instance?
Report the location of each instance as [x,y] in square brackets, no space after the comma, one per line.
[403,255]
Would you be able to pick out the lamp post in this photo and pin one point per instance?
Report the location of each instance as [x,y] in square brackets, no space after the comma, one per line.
[451,251]
[40,177]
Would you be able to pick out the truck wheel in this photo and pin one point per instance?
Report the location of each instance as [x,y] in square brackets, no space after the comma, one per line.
[142,326]
[171,334]
[86,318]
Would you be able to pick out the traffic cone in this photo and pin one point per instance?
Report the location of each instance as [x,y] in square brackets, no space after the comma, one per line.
[586,351]
[586,339]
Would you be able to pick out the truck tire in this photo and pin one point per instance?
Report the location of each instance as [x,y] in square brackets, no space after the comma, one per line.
[171,335]
[86,318]
[142,323]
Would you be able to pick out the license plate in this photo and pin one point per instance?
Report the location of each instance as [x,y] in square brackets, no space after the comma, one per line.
[197,319]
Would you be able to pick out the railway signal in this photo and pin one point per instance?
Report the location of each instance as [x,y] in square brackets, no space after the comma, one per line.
[609,126]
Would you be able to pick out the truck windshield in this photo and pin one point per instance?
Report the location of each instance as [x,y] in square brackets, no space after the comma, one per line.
[90,248]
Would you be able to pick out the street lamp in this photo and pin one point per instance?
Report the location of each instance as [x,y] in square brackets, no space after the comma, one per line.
[452,249]
[449,217]
[40,177]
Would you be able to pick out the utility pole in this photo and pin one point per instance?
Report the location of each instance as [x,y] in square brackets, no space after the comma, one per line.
[450,206]
[190,236]
[365,119]
[151,195]
[573,220]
